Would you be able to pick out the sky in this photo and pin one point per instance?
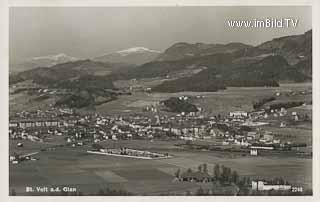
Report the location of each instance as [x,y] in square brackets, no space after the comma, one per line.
[86,32]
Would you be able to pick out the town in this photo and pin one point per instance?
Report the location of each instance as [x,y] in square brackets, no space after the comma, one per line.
[239,130]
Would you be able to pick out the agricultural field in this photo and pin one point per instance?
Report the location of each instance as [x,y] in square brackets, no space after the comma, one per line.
[213,103]
[73,167]
[298,134]
[88,173]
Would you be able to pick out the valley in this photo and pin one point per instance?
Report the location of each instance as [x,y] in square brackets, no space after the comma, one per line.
[242,107]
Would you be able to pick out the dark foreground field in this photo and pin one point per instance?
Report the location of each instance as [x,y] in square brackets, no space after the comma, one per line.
[73,167]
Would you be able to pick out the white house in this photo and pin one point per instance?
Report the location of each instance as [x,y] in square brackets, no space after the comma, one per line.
[254,152]
[238,114]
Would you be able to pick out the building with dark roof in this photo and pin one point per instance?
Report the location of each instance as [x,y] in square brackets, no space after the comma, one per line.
[195,176]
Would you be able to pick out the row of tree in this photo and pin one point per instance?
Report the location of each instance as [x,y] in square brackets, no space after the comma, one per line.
[225,175]
[221,174]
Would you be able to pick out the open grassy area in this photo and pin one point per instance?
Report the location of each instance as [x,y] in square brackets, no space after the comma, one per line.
[298,134]
[221,102]
[89,172]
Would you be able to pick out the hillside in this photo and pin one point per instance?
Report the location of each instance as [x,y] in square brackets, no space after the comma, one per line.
[41,61]
[178,105]
[267,72]
[164,68]
[293,48]
[79,83]
[136,56]
[66,71]
[88,97]
[284,59]
[182,50]
[182,56]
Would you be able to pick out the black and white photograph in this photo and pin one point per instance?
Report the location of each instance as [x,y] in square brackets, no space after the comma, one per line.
[160,101]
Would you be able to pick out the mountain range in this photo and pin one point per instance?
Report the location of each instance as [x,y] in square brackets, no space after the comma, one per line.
[284,59]
[130,56]
[41,61]
[204,67]
[135,55]
[183,50]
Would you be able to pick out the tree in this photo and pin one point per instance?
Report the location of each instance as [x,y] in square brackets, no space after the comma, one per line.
[226,174]
[97,146]
[281,181]
[235,177]
[223,173]
[200,168]
[205,168]
[216,172]
[177,173]
[248,182]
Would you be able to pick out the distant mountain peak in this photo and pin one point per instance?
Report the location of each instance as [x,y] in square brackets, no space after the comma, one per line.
[42,61]
[135,55]
[136,50]
[182,50]
[57,57]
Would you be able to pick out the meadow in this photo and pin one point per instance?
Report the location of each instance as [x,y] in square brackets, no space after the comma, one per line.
[73,167]
[213,103]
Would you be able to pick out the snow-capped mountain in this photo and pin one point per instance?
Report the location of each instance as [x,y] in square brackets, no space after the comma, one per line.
[42,61]
[61,57]
[50,60]
[136,50]
[135,55]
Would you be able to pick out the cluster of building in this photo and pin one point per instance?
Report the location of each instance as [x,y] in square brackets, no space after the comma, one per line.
[133,153]
[223,130]
[15,158]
